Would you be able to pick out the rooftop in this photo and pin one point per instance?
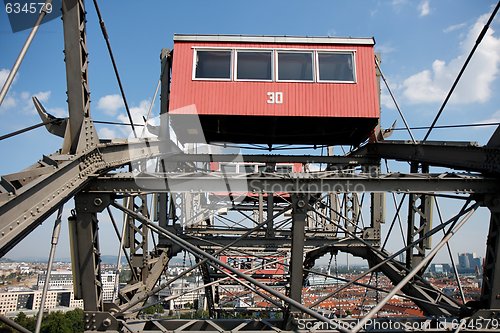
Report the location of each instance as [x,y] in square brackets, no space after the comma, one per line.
[274,39]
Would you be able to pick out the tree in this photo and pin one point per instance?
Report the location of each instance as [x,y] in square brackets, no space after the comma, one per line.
[56,322]
[75,317]
[156,308]
[27,322]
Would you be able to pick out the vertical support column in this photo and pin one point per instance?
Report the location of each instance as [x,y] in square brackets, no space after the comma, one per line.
[76,59]
[490,292]
[419,206]
[377,210]
[162,215]
[270,214]
[209,290]
[144,240]
[137,238]
[85,256]
[299,215]
[166,62]
[351,211]
[261,207]
[333,213]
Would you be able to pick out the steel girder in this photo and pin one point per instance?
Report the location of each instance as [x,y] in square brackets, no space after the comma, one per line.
[34,194]
[335,160]
[294,183]
[456,155]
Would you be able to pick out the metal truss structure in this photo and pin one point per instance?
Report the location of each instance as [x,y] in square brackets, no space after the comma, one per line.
[181,204]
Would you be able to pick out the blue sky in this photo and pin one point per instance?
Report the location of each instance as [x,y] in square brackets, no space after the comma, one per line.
[422,43]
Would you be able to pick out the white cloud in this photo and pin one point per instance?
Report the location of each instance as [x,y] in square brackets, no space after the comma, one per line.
[58,112]
[107,133]
[454,27]
[4,73]
[424,8]
[397,5]
[138,114]
[386,100]
[385,49]
[23,101]
[110,104]
[398,2]
[26,103]
[432,85]
[8,103]
[43,96]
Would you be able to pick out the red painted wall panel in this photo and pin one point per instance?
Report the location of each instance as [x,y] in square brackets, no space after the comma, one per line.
[309,99]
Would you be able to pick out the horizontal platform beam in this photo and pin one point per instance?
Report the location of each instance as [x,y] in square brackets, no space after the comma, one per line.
[456,155]
[293,183]
[262,243]
[268,158]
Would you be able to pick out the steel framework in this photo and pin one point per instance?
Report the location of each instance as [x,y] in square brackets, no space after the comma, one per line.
[182,205]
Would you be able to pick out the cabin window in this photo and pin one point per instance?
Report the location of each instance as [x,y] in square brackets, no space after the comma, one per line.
[284,168]
[254,65]
[213,65]
[336,67]
[247,168]
[295,66]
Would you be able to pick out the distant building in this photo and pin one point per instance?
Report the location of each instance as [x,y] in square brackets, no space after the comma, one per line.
[108,285]
[26,300]
[468,263]
[64,281]
[58,280]
[180,294]
[440,269]
[60,295]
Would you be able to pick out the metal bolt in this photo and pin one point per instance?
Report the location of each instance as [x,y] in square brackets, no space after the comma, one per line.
[106,322]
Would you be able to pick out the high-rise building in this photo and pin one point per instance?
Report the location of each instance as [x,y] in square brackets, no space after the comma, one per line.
[108,285]
[463,261]
[469,262]
[58,280]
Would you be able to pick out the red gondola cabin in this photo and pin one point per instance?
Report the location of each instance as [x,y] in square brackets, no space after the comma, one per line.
[265,89]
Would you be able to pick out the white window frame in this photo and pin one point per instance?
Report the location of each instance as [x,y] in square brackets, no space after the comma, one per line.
[236,51]
[277,52]
[351,52]
[284,165]
[195,57]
